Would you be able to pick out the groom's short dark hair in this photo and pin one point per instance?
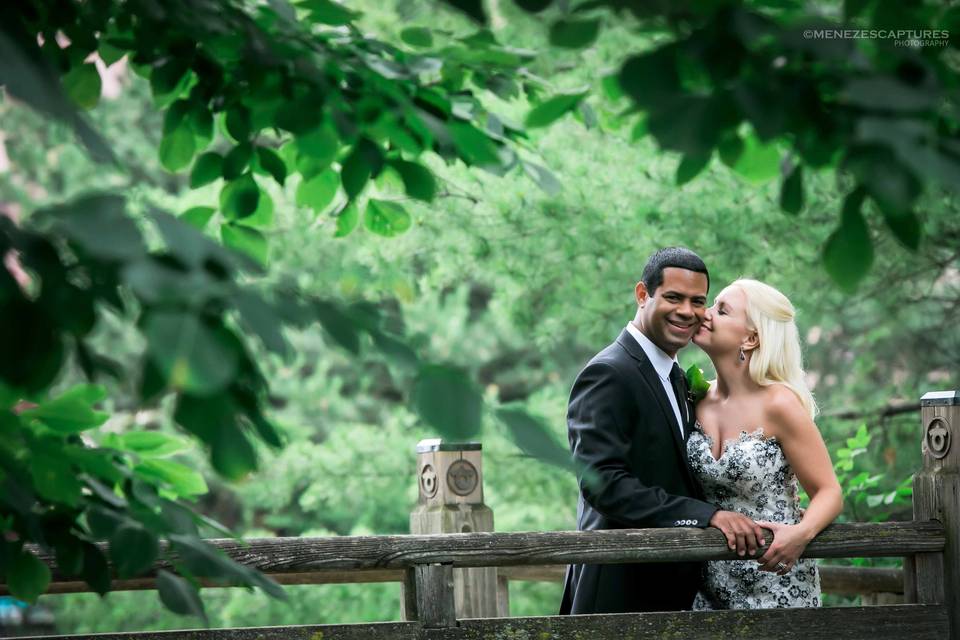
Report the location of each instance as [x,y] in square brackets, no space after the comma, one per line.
[680,257]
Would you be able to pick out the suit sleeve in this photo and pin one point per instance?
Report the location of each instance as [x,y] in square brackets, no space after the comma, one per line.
[600,418]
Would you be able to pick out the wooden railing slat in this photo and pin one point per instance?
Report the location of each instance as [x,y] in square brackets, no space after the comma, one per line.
[917,622]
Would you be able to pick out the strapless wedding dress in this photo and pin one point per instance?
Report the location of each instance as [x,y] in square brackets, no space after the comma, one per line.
[752,477]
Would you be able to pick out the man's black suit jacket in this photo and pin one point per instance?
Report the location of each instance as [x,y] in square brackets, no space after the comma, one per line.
[622,427]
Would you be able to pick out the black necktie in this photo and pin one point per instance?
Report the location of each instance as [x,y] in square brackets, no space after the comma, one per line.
[679,383]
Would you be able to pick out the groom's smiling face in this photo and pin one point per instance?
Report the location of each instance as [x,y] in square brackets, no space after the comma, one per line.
[671,315]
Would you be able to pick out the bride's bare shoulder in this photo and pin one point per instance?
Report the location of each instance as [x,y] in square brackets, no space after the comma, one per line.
[783,409]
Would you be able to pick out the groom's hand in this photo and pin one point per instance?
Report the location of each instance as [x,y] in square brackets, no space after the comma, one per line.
[743,534]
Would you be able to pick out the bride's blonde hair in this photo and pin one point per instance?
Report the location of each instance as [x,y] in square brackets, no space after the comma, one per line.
[777,358]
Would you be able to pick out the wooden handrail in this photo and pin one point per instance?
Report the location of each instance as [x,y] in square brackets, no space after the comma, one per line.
[294,560]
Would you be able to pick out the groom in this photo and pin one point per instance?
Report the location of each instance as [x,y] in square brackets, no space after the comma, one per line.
[628,420]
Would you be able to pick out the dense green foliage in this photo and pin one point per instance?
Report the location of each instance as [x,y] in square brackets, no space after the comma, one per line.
[431,280]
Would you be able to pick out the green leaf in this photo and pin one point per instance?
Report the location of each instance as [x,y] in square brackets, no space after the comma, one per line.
[206,168]
[71,411]
[574,34]
[133,550]
[339,325]
[260,317]
[27,577]
[611,87]
[329,12]
[791,193]
[533,6]
[418,181]
[320,146]
[206,561]
[417,37]
[169,79]
[54,480]
[386,218]
[82,85]
[272,164]
[347,220]
[639,129]
[109,53]
[237,122]
[237,160]
[262,218]
[99,463]
[198,216]
[448,401]
[192,354]
[233,456]
[96,571]
[533,437]
[553,109]
[472,8]
[758,162]
[691,166]
[543,177]
[848,252]
[730,149]
[182,479]
[473,145]
[179,596]
[893,187]
[318,192]
[905,226]
[239,198]
[246,240]
[175,116]
[147,444]
[395,349]
[201,121]
[364,161]
[651,79]
[177,149]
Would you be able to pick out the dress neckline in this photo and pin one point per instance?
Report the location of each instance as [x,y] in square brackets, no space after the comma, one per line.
[743,436]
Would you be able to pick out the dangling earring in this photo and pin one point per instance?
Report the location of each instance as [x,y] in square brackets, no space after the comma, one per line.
[742,355]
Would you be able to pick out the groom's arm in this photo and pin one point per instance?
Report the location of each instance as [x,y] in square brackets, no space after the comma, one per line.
[600,420]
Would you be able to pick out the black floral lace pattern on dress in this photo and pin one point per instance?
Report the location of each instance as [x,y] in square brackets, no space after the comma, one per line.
[751,476]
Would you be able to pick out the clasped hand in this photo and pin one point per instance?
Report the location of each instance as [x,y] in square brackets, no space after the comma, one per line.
[746,537]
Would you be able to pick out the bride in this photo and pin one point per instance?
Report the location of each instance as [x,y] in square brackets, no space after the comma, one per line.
[753,440]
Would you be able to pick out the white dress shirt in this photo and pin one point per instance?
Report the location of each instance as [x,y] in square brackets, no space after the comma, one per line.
[663,365]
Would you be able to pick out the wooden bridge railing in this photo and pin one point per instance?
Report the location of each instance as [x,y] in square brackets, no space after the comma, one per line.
[426,564]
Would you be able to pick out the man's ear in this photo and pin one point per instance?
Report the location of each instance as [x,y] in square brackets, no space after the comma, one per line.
[641,293]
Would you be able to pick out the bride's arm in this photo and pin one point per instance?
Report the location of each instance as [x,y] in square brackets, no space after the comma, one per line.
[807,454]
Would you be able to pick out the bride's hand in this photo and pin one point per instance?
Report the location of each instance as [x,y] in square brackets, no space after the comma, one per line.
[789,541]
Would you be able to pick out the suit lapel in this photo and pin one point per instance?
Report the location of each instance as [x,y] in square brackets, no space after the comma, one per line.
[653,380]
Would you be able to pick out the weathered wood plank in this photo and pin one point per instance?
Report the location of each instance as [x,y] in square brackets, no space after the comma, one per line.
[917,622]
[928,622]
[363,631]
[433,595]
[833,579]
[291,556]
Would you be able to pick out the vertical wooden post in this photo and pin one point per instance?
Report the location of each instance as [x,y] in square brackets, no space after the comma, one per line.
[428,596]
[934,577]
[450,477]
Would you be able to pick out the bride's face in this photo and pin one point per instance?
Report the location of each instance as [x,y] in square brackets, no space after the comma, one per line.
[725,326]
